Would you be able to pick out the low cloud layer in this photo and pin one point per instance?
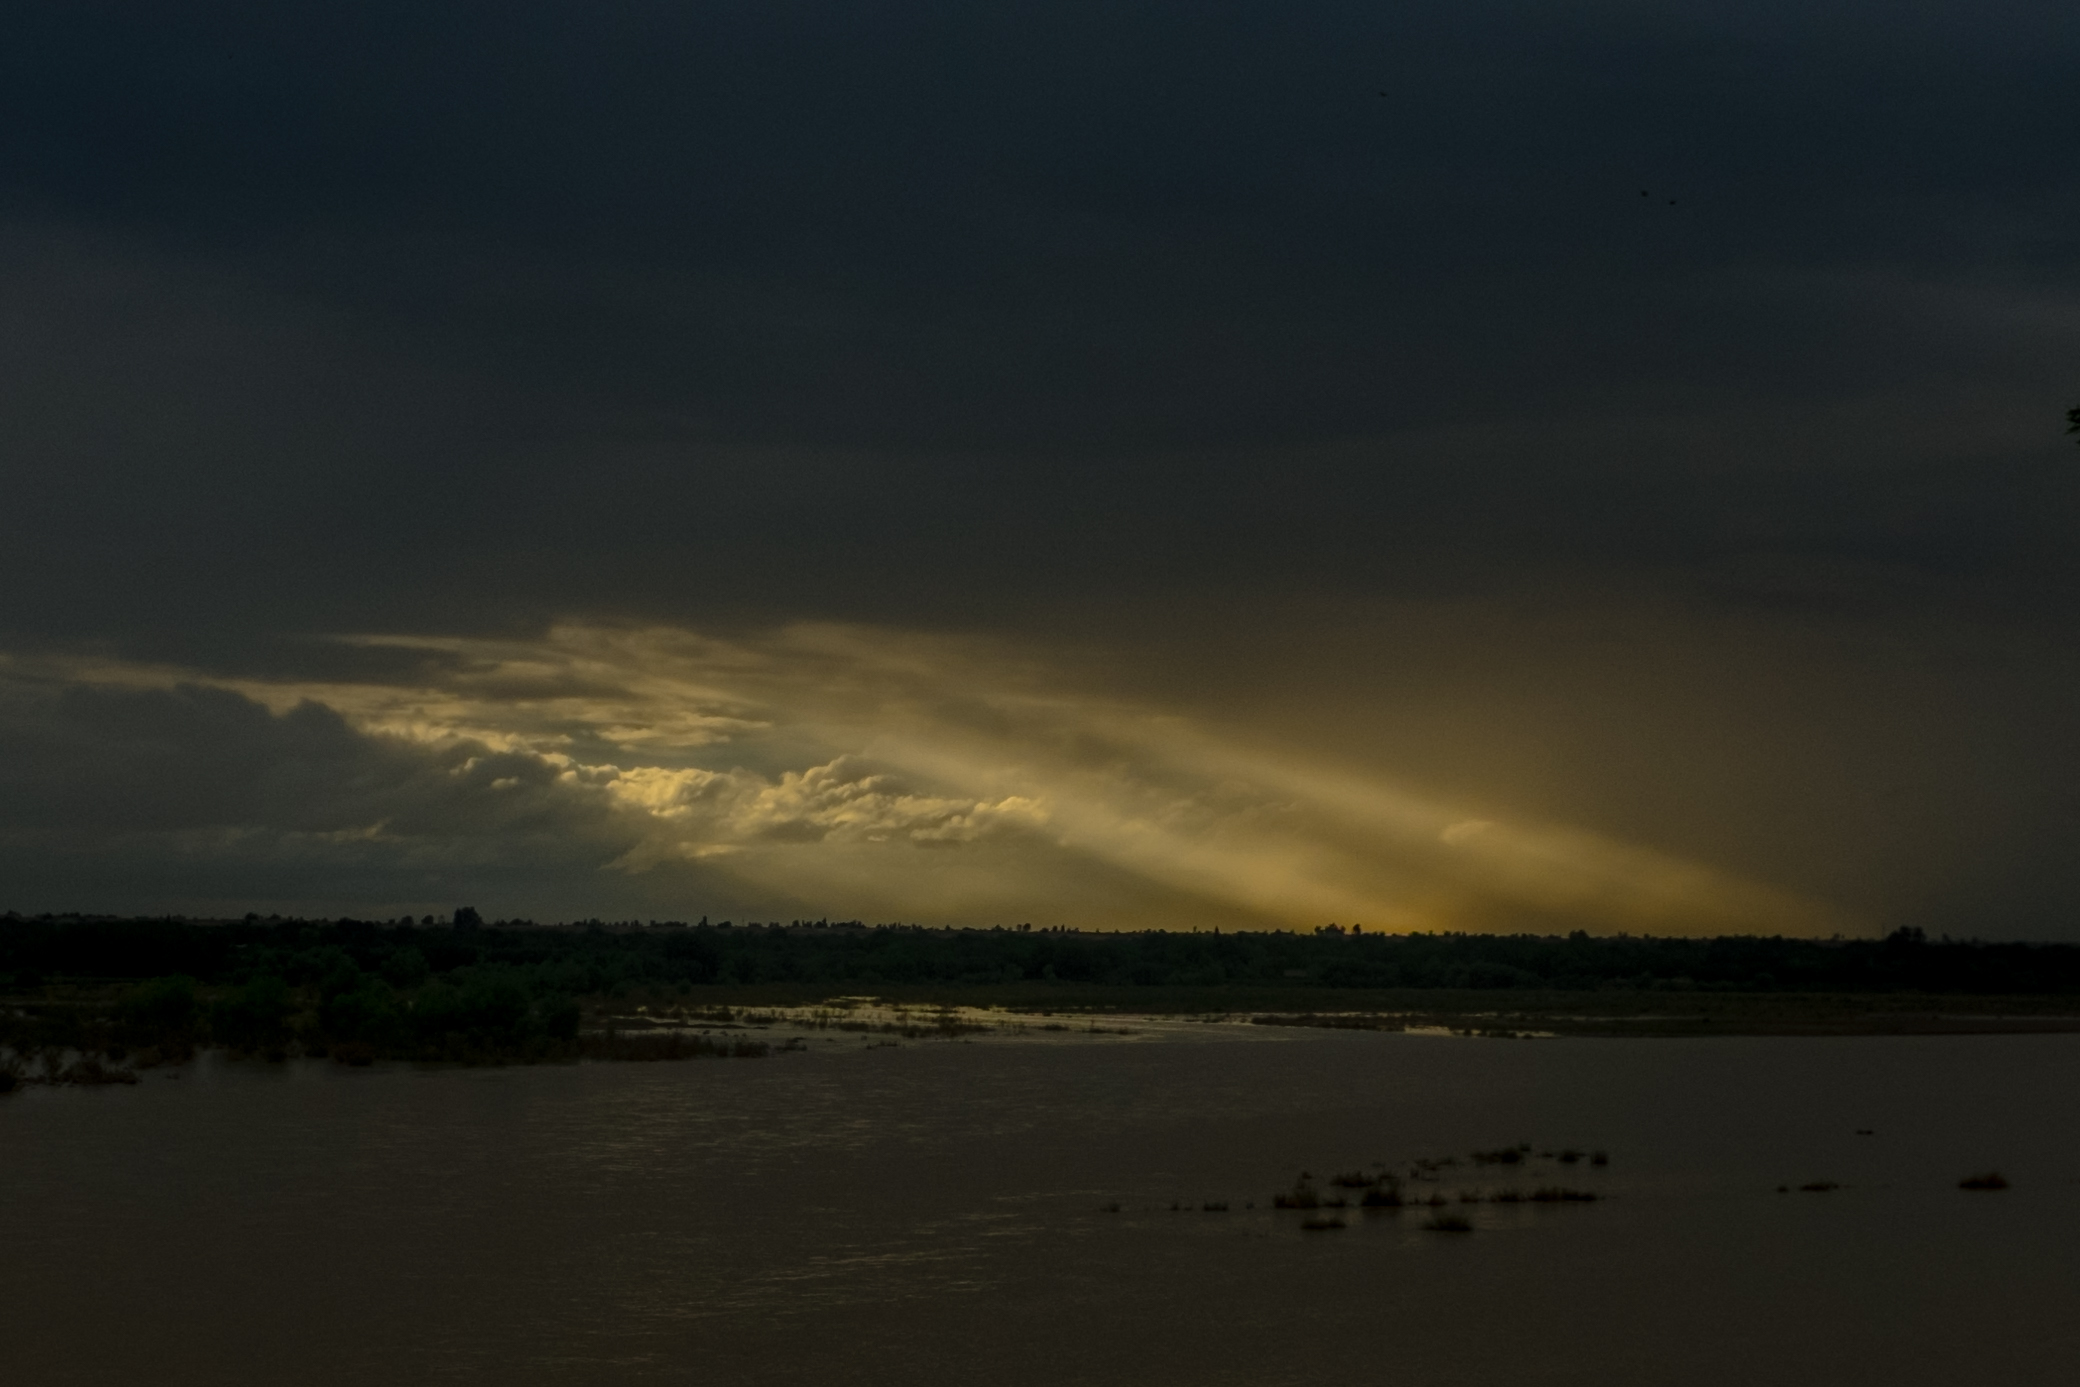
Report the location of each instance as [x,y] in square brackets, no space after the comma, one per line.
[818,770]
[1148,464]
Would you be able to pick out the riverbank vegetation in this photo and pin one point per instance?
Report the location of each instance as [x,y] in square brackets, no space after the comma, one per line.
[89,999]
[593,957]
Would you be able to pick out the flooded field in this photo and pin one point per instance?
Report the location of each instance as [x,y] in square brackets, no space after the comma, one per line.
[926,1195]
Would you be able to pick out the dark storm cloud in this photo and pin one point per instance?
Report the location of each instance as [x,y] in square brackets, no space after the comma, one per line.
[1192,332]
[920,777]
[918,268]
[144,797]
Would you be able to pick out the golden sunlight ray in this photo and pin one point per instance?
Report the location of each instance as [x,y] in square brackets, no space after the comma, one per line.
[916,775]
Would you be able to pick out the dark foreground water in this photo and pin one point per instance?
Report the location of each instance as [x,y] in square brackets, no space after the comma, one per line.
[930,1214]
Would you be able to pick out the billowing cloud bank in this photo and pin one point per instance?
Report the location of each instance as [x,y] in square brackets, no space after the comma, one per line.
[813,770]
[1394,431]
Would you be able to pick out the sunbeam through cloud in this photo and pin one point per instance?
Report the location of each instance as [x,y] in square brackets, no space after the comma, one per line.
[878,772]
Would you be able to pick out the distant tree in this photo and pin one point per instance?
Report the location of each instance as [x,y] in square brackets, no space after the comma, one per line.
[163,1005]
[253,1017]
[466,917]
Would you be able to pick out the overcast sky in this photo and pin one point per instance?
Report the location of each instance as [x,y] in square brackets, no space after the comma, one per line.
[1487,465]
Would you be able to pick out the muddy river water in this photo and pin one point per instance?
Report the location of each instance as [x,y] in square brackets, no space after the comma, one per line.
[937,1211]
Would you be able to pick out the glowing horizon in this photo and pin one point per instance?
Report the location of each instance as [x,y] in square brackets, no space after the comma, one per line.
[941,779]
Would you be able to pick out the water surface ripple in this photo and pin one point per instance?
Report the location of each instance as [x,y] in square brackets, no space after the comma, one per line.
[932,1214]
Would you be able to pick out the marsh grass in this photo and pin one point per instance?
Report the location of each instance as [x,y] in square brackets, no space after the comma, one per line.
[55,1067]
[89,1071]
[674,1045]
[1984,1180]
[1449,1223]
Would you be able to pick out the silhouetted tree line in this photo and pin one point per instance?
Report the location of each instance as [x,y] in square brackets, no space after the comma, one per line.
[511,979]
[77,991]
[315,1001]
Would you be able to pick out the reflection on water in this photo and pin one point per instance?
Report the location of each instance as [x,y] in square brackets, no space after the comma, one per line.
[935,1213]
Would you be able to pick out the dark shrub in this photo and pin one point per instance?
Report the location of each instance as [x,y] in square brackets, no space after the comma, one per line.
[368,1016]
[254,1017]
[560,1019]
[162,1009]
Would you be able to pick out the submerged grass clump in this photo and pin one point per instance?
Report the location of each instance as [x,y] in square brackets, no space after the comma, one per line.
[674,1045]
[55,1069]
[1449,1223]
[1544,1194]
[1382,1189]
[1984,1180]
